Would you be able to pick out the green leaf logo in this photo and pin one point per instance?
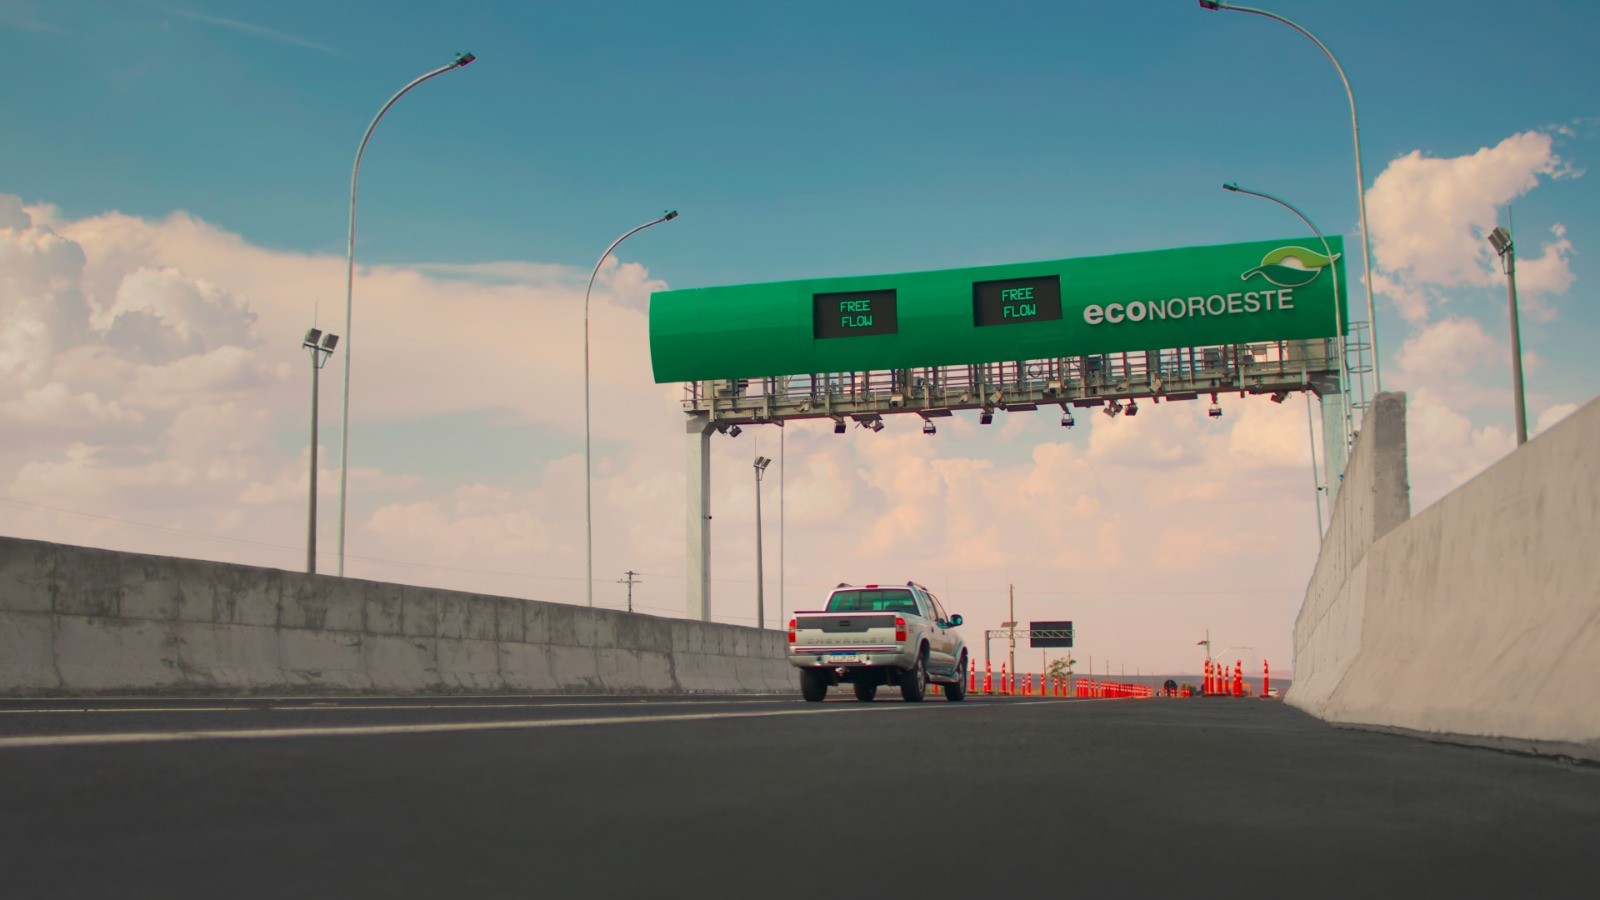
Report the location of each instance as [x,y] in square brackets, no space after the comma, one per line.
[1306,266]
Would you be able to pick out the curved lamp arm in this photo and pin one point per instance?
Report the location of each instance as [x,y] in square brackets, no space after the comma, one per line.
[1361,189]
[462,59]
[588,459]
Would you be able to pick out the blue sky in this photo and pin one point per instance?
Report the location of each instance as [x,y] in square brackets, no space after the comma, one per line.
[798,141]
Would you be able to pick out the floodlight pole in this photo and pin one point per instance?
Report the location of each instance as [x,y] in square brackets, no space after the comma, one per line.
[311,516]
[319,357]
[588,458]
[1503,245]
[1361,183]
[461,59]
[761,613]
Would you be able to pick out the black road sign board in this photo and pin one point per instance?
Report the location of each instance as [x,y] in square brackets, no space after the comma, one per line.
[1050,634]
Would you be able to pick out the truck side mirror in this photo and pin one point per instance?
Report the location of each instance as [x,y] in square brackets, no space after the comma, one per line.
[955,620]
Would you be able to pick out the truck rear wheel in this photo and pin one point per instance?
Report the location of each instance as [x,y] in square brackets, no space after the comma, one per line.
[813,685]
[914,681]
[957,690]
[865,692]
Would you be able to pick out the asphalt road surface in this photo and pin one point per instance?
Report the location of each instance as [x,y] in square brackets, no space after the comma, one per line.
[769,797]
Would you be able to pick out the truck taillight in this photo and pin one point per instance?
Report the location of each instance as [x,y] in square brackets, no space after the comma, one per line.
[792,624]
[899,628]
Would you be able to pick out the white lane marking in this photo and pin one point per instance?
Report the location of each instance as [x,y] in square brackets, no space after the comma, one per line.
[109,709]
[161,737]
[269,707]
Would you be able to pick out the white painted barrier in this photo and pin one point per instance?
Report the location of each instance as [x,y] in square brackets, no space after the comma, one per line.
[76,620]
[1476,620]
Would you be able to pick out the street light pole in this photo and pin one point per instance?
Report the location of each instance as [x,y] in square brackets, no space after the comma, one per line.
[1316,483]
[1361,184]
[461,59]
[321,347]
[1338,312]
[1500,239]
[761,612]
[588,458]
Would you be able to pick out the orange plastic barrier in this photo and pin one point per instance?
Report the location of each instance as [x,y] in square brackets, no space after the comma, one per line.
[1094,687]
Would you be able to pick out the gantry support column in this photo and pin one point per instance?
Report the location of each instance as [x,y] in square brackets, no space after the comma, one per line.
[697,552]
[1335,452]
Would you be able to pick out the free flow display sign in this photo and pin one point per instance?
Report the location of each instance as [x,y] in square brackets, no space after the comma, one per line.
[1187,297]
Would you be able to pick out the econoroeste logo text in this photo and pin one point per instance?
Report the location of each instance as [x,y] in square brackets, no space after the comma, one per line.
[1286,268]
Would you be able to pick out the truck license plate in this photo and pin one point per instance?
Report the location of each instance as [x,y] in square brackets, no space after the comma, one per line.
[844,657]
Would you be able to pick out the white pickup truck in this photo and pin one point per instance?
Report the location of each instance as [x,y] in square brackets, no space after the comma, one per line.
[874,635]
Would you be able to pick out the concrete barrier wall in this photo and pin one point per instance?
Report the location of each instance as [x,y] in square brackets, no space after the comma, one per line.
[1479,618]
[76,620]
[1373,499]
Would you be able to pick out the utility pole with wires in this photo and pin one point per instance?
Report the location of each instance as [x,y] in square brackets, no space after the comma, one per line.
[630,581]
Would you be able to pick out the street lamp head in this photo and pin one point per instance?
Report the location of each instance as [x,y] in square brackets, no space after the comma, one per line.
[669,215]
[1500,239]
[1211,4]
[1231,186]
[463,59]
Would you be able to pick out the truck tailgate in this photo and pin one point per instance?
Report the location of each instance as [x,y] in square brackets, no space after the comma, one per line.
[844,630]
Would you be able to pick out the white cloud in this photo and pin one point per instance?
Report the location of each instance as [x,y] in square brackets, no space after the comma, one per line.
[162,383]
[1429,216]
[1445,448]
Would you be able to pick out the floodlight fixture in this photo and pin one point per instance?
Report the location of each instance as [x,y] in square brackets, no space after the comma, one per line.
[1133,408]
[1067,421]
[1500,239]
[329,341]
[1215,411]
[838,426]
[312,336]
[876,425]
[734,430]
[761,463]
[986,417]
[928,427]
[1279,396]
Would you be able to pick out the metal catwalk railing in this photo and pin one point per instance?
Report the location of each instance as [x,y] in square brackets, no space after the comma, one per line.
[1079,381]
